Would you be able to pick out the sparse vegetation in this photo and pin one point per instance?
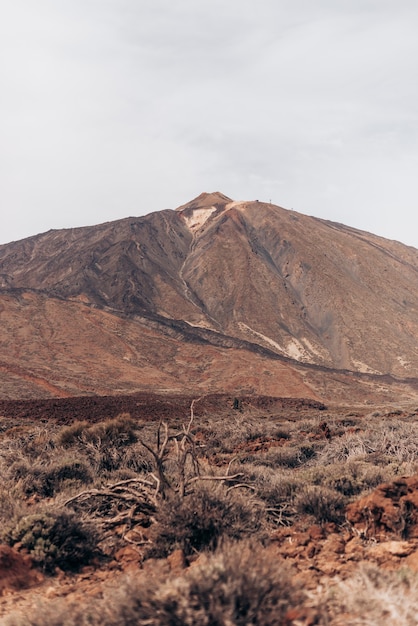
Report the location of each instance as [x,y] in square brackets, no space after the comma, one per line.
[53,539]
[47,479]
[375,596]
[210,514]
[323,504]
[231,587]
[230,494]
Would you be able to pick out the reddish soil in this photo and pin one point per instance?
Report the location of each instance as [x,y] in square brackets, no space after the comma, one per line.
[16,571]
[390,511]
[381,528]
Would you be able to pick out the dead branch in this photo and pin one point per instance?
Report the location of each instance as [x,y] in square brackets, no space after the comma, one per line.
[226,477]
[135,480]
[229,464]
[241,486]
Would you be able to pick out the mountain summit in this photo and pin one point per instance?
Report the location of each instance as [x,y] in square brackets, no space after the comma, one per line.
[199,210]
[242,275]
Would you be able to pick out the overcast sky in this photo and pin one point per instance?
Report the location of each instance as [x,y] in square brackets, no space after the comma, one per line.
[112,108]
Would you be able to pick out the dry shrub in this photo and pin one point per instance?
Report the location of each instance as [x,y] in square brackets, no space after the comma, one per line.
[354,478]
[53,539]
[288,456]
[32,442]
[284,457]
[120,431]
[277,488]
[226,436]
[109,445]
[372,597]
[273,485]
[323,504]
[47,479]
[349,479]
[203,518]
[10,505]
[381,443]
[239,585]
[72,435]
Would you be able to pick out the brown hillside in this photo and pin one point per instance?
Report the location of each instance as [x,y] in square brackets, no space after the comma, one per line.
[215,296]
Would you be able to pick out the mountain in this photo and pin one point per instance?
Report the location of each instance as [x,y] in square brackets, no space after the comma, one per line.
[215,295]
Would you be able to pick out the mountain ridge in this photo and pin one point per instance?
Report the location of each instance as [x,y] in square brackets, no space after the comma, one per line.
[248,273]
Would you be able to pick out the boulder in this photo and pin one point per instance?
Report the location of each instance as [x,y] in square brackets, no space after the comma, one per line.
[16,571]
[391,510]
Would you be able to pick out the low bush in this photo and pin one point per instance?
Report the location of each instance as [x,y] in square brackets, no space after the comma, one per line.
[29,442]
[240,585]
[349,479]
[109,445]
[203,518]
[53,539]
[121,431]
[323,504]
[286,456]
[48,479]
[10,505]
[374,596]
[384,443]
[227,436]
[72,435]
[273,484]
[281,457]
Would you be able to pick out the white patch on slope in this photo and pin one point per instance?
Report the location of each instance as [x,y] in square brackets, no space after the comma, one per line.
[313,349]
[201,324]
[304,350]
[271,342]
[294,349]
[364,368]
[403,362]
[198,217]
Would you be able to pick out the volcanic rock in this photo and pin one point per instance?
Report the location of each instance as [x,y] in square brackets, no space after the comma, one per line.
[391,510]
[217,295]
[16,570]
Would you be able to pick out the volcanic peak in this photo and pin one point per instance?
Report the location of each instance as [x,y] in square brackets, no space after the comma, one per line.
[262,278]
[204,200]
[196,212]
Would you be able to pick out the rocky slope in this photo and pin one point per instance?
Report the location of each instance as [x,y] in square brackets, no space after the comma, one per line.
[216,295]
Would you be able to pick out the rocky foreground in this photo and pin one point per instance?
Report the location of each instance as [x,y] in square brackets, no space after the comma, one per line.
[320,501]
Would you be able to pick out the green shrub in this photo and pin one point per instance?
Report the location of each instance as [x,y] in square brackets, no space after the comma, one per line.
[54,539]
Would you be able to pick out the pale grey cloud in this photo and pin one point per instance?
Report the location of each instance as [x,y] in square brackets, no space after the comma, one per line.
[112,108]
